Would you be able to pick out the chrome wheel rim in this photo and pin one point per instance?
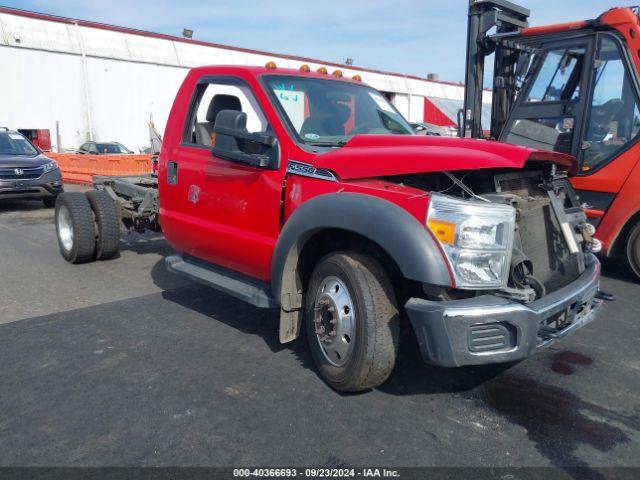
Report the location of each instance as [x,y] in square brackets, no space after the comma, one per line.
[334,321]
[65,228]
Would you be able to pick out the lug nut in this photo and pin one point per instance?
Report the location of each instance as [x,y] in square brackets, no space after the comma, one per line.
[589,229]
[595,245]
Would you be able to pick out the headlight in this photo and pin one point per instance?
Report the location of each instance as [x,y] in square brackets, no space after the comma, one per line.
[476,237]
[50,166]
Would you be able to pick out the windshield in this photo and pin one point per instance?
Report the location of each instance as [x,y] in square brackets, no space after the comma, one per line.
[111,148]
[15,144]
[326,112]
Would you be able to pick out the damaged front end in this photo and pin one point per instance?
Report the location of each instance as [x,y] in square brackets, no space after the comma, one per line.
[520,252]
[551,235]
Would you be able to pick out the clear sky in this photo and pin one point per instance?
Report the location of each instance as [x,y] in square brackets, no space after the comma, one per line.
[407,36]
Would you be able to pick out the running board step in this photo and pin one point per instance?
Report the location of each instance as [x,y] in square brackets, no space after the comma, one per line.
[245,288]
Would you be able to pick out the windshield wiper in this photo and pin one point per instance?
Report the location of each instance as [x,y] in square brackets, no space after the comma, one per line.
[340,143]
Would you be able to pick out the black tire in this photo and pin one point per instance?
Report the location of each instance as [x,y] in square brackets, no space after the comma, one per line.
[633,250]
[108,223]
[75,208]
[375,348]
[49,202]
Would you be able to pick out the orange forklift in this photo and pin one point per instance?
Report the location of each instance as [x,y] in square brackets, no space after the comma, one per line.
[572,88]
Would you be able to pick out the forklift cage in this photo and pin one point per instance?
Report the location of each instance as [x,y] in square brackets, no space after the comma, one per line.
[509,19]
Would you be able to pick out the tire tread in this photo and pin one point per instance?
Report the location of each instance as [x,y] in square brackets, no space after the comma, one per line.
[108,222]
[384,344]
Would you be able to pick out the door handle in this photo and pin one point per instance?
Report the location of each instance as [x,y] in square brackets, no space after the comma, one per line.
[172,173]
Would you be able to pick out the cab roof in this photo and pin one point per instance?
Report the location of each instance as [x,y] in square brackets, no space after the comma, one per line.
[260,71]
[612,18]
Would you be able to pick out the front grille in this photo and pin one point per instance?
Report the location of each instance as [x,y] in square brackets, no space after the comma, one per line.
[543,242]
[21,173]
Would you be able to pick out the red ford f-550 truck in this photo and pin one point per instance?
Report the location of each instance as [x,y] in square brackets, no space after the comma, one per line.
[308,193]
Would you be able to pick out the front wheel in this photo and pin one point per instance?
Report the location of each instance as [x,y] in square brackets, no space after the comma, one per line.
[352,321]
[633,250]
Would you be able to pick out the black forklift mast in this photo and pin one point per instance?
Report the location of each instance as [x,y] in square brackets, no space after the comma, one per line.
[509,19]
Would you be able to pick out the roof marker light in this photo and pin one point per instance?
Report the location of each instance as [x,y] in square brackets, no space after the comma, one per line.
[322,70]
[357,78]
[305,68]
[271,65]
[337,73]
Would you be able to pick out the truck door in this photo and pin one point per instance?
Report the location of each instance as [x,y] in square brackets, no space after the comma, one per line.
[227,211]
[548,111]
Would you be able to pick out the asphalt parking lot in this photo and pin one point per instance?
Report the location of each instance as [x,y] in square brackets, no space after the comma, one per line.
[122,363]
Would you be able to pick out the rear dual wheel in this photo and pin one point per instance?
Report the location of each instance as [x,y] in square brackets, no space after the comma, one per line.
[107,222]
[87,225]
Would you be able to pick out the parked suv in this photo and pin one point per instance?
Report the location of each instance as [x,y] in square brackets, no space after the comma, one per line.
[25,172]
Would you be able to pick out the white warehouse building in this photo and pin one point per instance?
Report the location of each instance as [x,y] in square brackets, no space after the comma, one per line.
[84,80]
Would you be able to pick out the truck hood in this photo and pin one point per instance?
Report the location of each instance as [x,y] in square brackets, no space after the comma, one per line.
[368,156]
[21,161]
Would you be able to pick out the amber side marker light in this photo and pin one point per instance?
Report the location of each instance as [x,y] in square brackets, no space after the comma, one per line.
[305,68]
[357,78]
[337,73]
[444,231]
[322,70]
[271,65]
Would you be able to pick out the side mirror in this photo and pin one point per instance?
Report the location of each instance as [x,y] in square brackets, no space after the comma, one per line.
[234,142]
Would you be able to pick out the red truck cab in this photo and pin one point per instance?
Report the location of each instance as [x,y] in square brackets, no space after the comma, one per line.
[308,193]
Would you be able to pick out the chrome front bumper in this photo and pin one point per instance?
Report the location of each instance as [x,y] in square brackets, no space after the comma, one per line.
[492,329]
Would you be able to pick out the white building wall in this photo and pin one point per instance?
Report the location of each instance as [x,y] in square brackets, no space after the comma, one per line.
[37,88]
[124,95]
[130,77]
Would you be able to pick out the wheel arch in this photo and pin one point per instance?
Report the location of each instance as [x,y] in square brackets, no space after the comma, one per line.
[618,245]
[402,244]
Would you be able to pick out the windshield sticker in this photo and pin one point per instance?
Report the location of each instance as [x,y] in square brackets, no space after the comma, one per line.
[293,103]
[15,136]
[282,86]
[311,136]
[381,101]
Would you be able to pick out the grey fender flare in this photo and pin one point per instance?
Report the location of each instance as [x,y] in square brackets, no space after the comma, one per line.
[396,231]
